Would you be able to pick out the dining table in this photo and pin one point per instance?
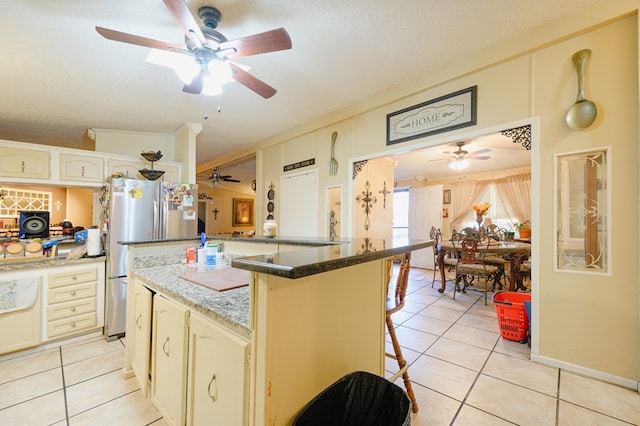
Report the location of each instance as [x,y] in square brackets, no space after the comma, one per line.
[517,253]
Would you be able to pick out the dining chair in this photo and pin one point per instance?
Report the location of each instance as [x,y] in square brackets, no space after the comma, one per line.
[449,262]
[471,252]
[395,302]
[495,259]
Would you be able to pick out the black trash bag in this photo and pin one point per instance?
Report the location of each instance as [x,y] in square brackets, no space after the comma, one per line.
[359,398]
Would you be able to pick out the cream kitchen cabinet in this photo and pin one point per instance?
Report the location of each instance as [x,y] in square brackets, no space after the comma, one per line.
[24,163]
[141,347]
[218,375]
[128,168]
[20,326]
[199,370]
[169,359]
[81,168]
[74,300]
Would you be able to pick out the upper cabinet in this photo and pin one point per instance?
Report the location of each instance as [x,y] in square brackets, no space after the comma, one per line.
[81,168]
[24,163]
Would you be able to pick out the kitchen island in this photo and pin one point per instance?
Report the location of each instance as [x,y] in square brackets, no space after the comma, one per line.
[313,311]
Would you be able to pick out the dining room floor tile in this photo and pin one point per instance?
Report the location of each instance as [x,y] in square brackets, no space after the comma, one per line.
[462,372]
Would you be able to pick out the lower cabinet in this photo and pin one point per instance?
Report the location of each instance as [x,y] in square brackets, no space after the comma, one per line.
[218,379]
[20,322]
[199,369]
[75,300]
[169,359]
[141,348]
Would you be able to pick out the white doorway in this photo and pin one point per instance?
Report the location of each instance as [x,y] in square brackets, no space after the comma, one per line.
[299,193]
[425,211]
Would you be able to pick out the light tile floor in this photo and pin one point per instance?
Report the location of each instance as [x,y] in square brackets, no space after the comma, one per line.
[462,371]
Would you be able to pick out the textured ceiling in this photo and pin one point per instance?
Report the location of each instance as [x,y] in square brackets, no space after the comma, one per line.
[59,76]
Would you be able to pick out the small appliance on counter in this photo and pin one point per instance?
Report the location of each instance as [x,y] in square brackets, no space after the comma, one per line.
[67,228]
[34,224]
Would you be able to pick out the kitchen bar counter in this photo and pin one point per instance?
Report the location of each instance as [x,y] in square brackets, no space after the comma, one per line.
[231,307]
[314,256]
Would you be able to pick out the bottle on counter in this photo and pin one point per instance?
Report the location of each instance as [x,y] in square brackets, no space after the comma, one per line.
[270,228]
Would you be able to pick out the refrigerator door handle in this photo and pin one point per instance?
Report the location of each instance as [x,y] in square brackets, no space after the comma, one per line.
[157,232]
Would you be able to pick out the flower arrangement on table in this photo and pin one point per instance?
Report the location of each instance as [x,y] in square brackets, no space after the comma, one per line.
[524,225]
[481,208]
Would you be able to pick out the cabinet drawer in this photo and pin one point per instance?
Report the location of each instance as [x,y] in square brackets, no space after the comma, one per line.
[67,309]
[66,278]
[72,292]
[71,325]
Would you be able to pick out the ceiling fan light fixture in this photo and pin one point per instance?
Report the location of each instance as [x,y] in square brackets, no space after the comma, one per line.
[219,71]
[210,87]
[459,163]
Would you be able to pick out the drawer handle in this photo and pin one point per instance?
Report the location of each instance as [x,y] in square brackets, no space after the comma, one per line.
[82,171]
[165,347]
[214,395]
[139,322]
[74,278]
[73,309]
[22,167]
[73,293]
[73,325]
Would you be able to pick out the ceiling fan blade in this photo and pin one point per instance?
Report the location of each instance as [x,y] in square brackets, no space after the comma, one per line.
[196,84]
[181,12]
[480,151]
[258,86]
[231,180]
[140,41]
[478,157]
[269,41]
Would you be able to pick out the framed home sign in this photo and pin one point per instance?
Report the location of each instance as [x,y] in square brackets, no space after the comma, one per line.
[446,113]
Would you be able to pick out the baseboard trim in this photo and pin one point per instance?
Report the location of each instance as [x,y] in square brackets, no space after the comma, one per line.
[594,374]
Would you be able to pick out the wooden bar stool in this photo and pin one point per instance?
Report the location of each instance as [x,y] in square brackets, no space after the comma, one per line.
[395,302]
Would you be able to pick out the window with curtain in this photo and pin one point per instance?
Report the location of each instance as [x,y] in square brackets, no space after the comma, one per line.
[509,197]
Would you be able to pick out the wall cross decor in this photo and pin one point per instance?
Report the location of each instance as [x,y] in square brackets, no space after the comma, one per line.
[368,200]
[215,214]
[384,193]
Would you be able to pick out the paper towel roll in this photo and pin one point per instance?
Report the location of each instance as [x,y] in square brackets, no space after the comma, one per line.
[93,242]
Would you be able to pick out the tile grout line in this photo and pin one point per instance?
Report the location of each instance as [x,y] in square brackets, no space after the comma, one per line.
[64,387]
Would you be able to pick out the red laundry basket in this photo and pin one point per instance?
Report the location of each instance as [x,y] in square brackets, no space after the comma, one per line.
[512,317]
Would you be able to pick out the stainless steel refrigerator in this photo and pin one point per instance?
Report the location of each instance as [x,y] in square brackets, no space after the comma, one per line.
[141,210]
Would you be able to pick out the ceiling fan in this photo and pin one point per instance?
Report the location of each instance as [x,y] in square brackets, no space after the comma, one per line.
[208,51]
[217,178]
[460,153]
[459,159]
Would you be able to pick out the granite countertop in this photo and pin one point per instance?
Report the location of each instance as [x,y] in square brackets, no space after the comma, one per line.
[24,263]
[230,308]
[315,255]
[314,260]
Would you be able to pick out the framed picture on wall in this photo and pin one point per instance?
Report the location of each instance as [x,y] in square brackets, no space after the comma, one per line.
[445,213]
[446,196]
[242,212]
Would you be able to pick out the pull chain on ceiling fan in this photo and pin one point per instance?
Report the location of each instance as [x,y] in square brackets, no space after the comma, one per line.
[203,62]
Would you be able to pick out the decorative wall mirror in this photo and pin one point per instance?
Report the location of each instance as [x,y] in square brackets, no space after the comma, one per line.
[582,216]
